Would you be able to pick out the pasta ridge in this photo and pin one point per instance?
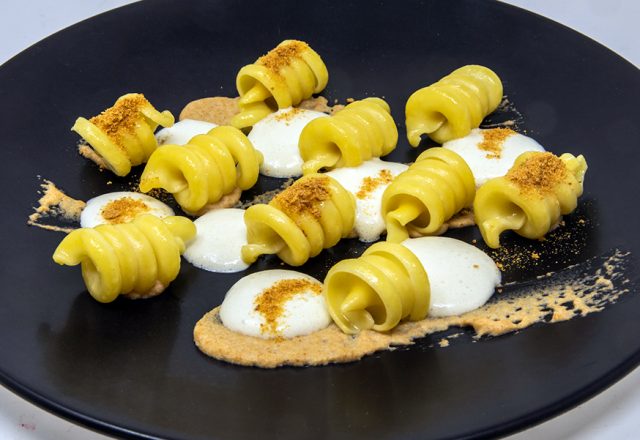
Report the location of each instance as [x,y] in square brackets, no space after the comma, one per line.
[362,130]
[420,200]
[533,207]
[208,167]
[123,135]
[452,106]
[284,77]
[136,259]
[312,214]
[384,286]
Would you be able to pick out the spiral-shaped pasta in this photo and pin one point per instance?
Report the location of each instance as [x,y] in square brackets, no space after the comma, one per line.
[137,259]
[312,214]
[531,197]
[362,130]
[376,291]
[451,107]
[202,171]
[431,191]
[122,135]
[282,78]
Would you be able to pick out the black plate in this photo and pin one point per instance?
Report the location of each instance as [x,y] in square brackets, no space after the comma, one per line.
[130,368]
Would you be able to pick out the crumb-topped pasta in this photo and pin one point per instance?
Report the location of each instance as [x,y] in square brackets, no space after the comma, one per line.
[122,135]
[312,214]
[282,78]
[531,198]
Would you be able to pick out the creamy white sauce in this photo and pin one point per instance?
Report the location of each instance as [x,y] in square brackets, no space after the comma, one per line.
[276,137]
[91,215]
[182,131]
[221,233]
[483,167]
[369,224]
[304,313]
[462,277]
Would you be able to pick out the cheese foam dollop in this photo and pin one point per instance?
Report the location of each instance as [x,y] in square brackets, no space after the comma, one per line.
[487,164]
[182,131]
[221,233]
[303,313]
[276,137]
[367,183]
[116,207]
[461,276]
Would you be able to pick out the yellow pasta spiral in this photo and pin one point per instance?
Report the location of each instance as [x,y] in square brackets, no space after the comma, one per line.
[432,190]
[362,130]
[123,134]
[202,171]
[312,214]
[376,291]
[451,107]
[282,78]
[138,259]
[531,197]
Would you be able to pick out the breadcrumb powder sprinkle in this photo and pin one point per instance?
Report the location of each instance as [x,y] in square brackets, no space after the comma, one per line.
[369,184]
[539,174]
[304,196]
[123,117]
[282,55]
[492,141]
[270,302]
[123,210]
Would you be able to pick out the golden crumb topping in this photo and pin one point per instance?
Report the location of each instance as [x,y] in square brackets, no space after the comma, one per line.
[123,210]
[282,55]
[540,173]
[304,196]
[288,115]
[492,140]
[271,301]
[369,184]
[123,117]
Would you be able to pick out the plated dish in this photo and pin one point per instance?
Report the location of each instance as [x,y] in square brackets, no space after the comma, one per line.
[184,298]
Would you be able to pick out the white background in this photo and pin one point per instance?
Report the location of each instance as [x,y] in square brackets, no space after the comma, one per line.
[614,414]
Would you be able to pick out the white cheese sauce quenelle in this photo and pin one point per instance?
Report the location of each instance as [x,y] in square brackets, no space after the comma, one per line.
[221,233]
[491,152]
[367,183]
[275,303]
[183,131]
[461,276]
[276,137]
[121,207]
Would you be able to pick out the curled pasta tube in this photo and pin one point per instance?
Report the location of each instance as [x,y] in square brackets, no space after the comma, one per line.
[204,170]
[312,214]
[362,130]
[451,107]
[282,78]
[378,290]
[431,191]
[136,259]
[122,135]
[531,197]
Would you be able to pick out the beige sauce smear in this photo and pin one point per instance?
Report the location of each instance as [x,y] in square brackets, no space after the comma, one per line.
[55,204]
[558,298]
[220,110]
